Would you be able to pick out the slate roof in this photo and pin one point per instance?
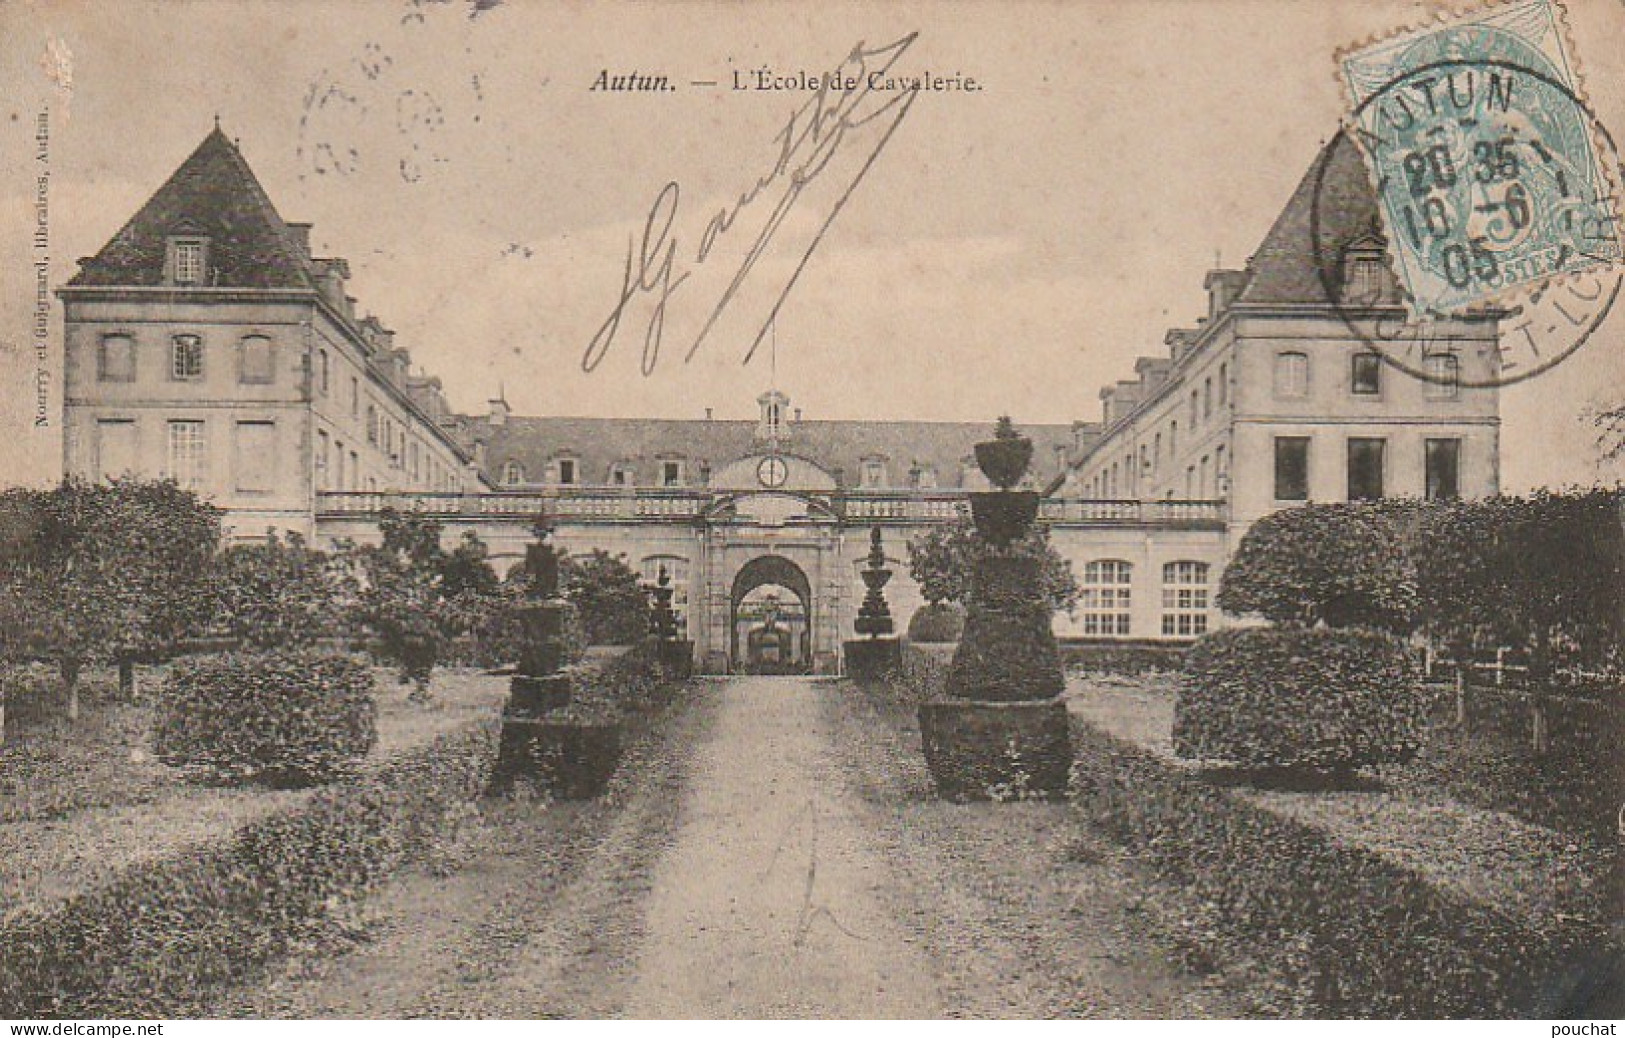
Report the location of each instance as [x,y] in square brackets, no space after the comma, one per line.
[1336,204]
[214,195]
[598,443]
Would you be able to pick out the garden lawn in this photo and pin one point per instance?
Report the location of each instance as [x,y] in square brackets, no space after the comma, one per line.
[80,803]
[1490,856]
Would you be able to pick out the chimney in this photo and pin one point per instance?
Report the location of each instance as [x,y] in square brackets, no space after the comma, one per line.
[300,233]
[798,414]
[499,412]
[479,455]
[1178,341]
[1083,435]
[1223,286]
[708,414]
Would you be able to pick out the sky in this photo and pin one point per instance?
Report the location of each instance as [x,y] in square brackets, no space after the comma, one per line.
[1011,249]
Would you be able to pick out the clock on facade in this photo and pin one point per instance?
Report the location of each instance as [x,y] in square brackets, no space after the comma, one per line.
[772,472]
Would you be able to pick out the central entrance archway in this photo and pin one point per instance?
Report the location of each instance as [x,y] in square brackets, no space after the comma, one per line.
[770,632]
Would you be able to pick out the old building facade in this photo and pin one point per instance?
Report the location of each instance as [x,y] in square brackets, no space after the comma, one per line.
[206,343]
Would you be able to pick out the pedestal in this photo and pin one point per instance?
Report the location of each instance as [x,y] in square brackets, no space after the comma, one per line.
[677,659]
[873,659]
[532,696]
[571,760]
[997,751]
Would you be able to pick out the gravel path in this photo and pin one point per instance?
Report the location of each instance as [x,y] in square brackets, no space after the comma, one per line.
[767,904]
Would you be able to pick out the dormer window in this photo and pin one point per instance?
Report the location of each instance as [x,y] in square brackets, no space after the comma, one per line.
[874,473]
[513,474]
[566,468]
[671,473]
[1363,271]
[622,475]
[187,260]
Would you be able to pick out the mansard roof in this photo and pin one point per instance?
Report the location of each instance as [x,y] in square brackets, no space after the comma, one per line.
[843,446]
[213,195]
[1334,203]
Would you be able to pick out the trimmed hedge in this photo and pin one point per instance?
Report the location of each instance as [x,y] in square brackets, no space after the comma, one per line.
[1357,935]
[1122,657]
[287,718]
[149,942]
[936,624]
[1294,698]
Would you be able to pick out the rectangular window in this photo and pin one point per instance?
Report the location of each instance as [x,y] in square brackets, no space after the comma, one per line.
[255,462]
[1224,384]
[186,358]
[355,471]
[254,359]
[1184,599]
[338,466]
[567,471]
[116,361]
[1292,468]
[1365,468]
[1366,374]
[1443,460]
[1104,597]
[323,459]
[355,396]
[115,448]
[188,460]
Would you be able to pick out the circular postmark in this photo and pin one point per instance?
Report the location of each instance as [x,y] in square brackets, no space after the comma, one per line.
[1493,204]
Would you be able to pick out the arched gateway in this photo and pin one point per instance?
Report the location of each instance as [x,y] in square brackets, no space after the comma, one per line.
[768,635]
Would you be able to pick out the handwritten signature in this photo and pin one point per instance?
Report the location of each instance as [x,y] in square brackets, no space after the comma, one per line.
[808,143]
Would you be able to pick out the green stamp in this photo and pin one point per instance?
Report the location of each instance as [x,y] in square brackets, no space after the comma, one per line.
[1486,161]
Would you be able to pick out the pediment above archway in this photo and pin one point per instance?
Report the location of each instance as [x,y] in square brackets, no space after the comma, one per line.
[771,509]
[772,471]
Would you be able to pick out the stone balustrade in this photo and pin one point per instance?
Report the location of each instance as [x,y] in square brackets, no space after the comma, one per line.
[664,505]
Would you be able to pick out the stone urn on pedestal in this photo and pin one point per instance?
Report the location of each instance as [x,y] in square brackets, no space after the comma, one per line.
[1000,730]
[877,656]
[676,655]
[570,758]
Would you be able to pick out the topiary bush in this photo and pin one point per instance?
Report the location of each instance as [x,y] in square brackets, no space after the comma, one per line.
[1344,564]
[284,718]
[936,623]
[1297,699]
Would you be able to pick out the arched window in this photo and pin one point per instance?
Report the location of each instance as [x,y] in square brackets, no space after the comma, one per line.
[1291,375]
[1104,598]
[372,424]
[1443,377]
[1184,599]
[323,372]
[254,360]
[513,474]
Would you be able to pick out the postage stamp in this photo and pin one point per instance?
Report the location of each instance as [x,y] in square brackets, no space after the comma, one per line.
[1485,158]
